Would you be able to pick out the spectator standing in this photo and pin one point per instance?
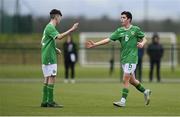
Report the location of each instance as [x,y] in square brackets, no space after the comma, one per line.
[70,58]
[155,51]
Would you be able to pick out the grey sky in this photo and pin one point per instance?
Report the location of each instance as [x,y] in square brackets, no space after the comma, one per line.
[158,9]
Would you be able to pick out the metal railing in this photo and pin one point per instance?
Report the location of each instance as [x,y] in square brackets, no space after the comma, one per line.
[31,54]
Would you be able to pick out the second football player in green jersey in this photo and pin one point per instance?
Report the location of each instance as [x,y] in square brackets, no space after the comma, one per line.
[131,38]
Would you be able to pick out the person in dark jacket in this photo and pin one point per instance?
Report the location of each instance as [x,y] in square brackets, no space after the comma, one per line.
[138,71]
[70,58]
[155,51]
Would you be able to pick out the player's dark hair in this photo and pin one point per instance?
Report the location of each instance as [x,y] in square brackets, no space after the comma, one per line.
[55,12]
[128,15]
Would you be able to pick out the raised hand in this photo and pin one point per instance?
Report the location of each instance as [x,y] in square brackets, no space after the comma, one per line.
[75,26]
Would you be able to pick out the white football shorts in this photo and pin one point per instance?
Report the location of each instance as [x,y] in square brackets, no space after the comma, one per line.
[129,68]
[49,70]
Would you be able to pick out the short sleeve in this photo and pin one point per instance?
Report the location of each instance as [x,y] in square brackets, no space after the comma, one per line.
[52,32]
[114,36]
[140,34]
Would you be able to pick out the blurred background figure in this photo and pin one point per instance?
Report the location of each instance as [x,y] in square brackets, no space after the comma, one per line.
[155,51]
[70,58]
[138,71]
[111,68]
[111,61]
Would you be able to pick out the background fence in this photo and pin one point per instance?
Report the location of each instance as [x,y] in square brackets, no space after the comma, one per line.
[30,53]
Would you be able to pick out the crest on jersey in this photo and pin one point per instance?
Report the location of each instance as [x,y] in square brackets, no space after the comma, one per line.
[132,32]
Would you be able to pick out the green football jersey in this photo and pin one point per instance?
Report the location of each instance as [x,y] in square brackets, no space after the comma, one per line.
[128,39]
[48,45]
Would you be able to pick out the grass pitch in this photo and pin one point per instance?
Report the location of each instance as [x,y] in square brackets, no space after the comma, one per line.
[93,99]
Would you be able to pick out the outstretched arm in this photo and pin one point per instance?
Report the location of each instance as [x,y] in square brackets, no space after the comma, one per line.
[73,28]
[142,43]
[91,44]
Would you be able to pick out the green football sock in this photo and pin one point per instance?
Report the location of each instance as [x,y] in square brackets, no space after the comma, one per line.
[125,92]
[45,93]
[140,88]
[50,93]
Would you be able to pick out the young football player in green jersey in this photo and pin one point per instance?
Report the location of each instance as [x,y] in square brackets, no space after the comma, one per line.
[131,38]
[49,56]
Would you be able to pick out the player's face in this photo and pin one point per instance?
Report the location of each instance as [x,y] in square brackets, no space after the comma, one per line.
[124,20]
[58,18]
